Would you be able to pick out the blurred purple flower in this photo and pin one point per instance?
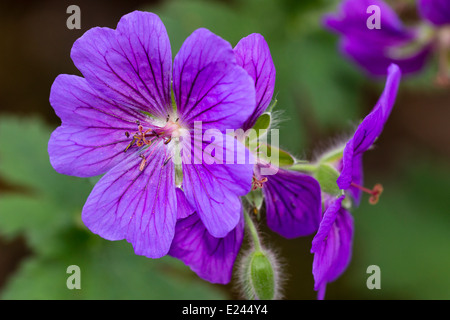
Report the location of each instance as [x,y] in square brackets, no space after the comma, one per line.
[435,11]
[119,121]
[375,49]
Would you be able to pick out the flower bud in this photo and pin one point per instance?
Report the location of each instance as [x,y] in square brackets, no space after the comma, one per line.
[259,276]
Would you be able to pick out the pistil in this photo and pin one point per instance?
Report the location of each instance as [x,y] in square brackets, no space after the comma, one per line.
[258,183]
[375,193]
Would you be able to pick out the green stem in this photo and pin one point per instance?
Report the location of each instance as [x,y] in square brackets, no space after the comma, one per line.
[251,227]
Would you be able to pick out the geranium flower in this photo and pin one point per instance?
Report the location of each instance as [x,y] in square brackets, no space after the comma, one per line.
[332,244]
[120,120]
[408,47]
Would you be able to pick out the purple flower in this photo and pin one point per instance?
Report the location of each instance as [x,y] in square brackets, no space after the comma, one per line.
[375,49]
[351,171]
[120,121]
[332,244]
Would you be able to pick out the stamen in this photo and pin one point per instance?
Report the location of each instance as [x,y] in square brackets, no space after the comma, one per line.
[167,161]
[131,143]
[150,138]
[143,162]
[375,193]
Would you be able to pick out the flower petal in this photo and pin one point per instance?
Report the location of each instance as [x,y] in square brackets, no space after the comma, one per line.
[213,189]
[370,128]
[332,246]
[376,60]
[92,137]
[139,206]
[209,86]
[184,209]
[357,178]
[435,11]
[328,219]
[131,65]
[211,258]
[293,203]
[253,54]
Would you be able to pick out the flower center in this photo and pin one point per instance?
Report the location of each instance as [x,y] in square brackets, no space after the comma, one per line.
[375,193]
[149,138]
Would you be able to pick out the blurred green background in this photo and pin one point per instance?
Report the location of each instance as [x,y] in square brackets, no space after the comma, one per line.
[321,96]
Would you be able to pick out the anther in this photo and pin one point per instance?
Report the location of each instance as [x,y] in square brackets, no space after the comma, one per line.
[143,162]
[129,145]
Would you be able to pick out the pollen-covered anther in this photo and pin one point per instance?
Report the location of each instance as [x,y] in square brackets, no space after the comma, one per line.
[258,183]
[375,193]
[143,162]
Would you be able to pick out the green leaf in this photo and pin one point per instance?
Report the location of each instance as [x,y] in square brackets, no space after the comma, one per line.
[108,271]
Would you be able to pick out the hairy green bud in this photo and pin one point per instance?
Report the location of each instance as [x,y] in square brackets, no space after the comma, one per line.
[259,276]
